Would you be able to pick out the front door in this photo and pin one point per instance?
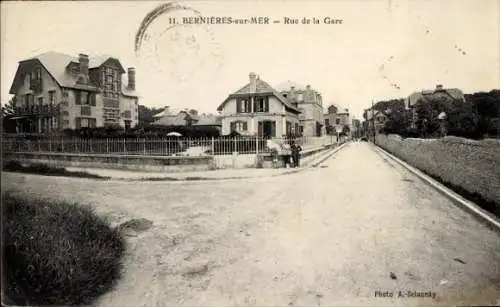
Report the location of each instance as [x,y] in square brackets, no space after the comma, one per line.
[267,128]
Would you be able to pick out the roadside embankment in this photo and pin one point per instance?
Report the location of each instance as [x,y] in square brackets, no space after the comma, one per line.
[471,168]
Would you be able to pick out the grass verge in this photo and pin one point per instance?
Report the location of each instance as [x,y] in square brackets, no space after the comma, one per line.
[57,253]
[490,206]
[47,170]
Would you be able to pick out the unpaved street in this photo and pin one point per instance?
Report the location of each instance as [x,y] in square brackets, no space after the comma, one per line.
[328,236]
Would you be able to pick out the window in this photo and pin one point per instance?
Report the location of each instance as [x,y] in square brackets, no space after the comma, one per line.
[337,121]
[84,98]
[327,122]
[38,74]
[65,93]
[261,104]
[40,102]
[244,105]
[239,126]
[52,97]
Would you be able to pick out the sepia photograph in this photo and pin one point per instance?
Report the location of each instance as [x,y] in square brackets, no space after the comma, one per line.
[222,153]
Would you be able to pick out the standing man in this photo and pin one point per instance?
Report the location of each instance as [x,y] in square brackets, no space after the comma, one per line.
[296,149]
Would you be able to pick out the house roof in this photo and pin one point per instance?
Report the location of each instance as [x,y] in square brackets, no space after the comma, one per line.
[287,85]
[172,120]
[261,87]
[179,119]
[424,95]
[208,120]
[55,63]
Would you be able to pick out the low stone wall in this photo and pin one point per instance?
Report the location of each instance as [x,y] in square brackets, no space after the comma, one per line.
[124,162]
[235,161]
[154,163]
[471,165]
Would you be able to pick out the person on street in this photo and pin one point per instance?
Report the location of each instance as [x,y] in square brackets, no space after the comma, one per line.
[285,153]
[296,149]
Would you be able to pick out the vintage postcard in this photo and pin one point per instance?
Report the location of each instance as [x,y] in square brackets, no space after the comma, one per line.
[250,153]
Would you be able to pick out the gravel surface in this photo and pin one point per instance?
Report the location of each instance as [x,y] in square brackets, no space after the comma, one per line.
[344,234]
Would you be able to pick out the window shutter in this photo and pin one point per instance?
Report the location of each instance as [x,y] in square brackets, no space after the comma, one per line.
[78,122]
[92,99]
[266,104]
[273,129]
[233,126]
[245,127]
[255,104]
[77,97]
[238,106]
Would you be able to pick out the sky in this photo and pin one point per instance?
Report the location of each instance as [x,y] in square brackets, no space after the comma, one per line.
[383,49]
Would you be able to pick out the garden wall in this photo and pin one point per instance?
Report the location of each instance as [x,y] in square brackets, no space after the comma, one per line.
[124,162]
[471,165]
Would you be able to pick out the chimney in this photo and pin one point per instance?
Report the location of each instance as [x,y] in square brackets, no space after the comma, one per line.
[131,79]
[253,82]
[83,68]
[439,87]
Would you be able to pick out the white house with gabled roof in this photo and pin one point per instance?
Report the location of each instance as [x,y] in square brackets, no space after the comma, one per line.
[258,109]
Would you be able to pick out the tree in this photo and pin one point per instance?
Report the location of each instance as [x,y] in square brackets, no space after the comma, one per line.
[146,114]
[9,108]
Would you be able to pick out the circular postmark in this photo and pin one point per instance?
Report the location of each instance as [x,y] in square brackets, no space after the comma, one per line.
[167,46]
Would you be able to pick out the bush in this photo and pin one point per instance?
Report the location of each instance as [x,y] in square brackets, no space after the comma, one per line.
[44,169]
[57,253]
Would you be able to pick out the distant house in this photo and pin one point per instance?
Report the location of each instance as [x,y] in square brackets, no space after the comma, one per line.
[425,96]
[330,119]
[258,109]
[309,102]
[184,118]
[377,119]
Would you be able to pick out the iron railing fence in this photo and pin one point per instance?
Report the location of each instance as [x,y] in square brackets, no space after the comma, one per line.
[155,147]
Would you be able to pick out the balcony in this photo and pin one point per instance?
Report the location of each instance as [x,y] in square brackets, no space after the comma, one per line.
[44,110]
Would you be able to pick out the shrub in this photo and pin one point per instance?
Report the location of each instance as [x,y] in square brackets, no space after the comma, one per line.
[44,169]
[57,253]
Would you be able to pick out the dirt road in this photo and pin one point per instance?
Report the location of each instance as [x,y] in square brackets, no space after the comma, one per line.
[344,234]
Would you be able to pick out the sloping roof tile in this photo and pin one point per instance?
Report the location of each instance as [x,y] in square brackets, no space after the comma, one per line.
[208,120]
[172,120]
[454,93]
[287,85]
[261,87]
